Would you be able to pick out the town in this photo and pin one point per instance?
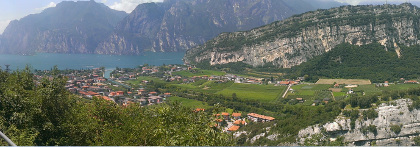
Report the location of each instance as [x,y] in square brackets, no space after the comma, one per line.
[125,86]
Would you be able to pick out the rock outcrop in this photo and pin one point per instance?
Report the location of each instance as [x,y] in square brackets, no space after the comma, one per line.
[392,114]
[299,38]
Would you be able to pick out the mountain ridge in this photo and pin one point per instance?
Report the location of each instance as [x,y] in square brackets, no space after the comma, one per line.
[299,38]
[184,24]
[70,27]
[173,25]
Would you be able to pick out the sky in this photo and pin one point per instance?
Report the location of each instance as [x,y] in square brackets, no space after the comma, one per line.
[16,9]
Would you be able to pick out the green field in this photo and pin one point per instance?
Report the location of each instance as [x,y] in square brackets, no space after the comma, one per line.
[305,92]
[308,89]
[141,78]
[368,89]
[189,102]
[205,86]
[336,94]
[399,86]
[198,72]
[264,93]
[311,87]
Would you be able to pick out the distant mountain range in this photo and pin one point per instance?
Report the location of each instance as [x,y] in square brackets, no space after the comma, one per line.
[174,25]
[299,38]
[70,27]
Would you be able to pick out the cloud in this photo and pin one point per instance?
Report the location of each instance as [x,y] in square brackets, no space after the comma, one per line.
[129,5]
[3,25]
[51,4]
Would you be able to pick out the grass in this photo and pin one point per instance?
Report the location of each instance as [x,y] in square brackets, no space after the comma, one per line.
[368,89]
[263,93]
[146,78]
[310,91]
[344,81]
[336,94]
[298,87]
[399,87]
[305,92]
[206,86]
[316,87]
[189,102]
[198,72]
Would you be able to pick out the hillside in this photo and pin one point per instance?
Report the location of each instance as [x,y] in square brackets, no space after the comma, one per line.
[70,27]
[299,38]
[363,62]
[177,25]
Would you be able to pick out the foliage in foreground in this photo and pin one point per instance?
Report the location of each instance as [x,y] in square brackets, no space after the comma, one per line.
[45,113]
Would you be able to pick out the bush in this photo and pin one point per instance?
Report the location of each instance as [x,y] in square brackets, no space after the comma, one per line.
[370,114]
[417,141]
[396,129]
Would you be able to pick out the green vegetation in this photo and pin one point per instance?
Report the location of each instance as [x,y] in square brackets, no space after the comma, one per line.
[45,113]
[367,89]
[396,129]
[370,128]
[189,102]
[370,114]
[310,92]
[262,93]
[349,61]
[399,87]
[198,72]
[417,141]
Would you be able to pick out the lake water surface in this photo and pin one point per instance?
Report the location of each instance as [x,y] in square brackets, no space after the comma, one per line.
[45,61]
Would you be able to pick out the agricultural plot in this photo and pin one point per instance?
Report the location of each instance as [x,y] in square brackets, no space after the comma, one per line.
[345,81]
[310,92]
[264,93]
[368,89]
[198,72]
[189,102]
[399,87]
[144,78]
[205,86]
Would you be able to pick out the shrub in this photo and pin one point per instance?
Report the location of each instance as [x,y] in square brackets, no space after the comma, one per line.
[396,129]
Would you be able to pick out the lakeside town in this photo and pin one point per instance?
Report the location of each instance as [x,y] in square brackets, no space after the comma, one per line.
[91,83]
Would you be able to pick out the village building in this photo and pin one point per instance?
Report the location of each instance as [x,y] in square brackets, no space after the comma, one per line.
[259,118]
[225,115]
[236,116]
[233,128]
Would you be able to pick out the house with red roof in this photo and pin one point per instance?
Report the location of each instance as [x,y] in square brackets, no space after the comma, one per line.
[236,116]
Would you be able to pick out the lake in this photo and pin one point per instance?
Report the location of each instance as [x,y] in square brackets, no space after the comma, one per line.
[45,61]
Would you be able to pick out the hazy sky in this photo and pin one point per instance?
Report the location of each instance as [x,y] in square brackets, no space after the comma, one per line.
[16,9]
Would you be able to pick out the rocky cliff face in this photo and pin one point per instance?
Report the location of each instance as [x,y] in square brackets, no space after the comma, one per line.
[299,38]
[70,27]
[176,25]
[391,114]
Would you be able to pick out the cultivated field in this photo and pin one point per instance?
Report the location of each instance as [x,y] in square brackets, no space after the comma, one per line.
[344,81]
[264,93]
[198,72]
[189,102]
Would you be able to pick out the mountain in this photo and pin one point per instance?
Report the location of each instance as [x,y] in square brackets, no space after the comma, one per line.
[370,61]
[177,25]
[70,27]
[299,38]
